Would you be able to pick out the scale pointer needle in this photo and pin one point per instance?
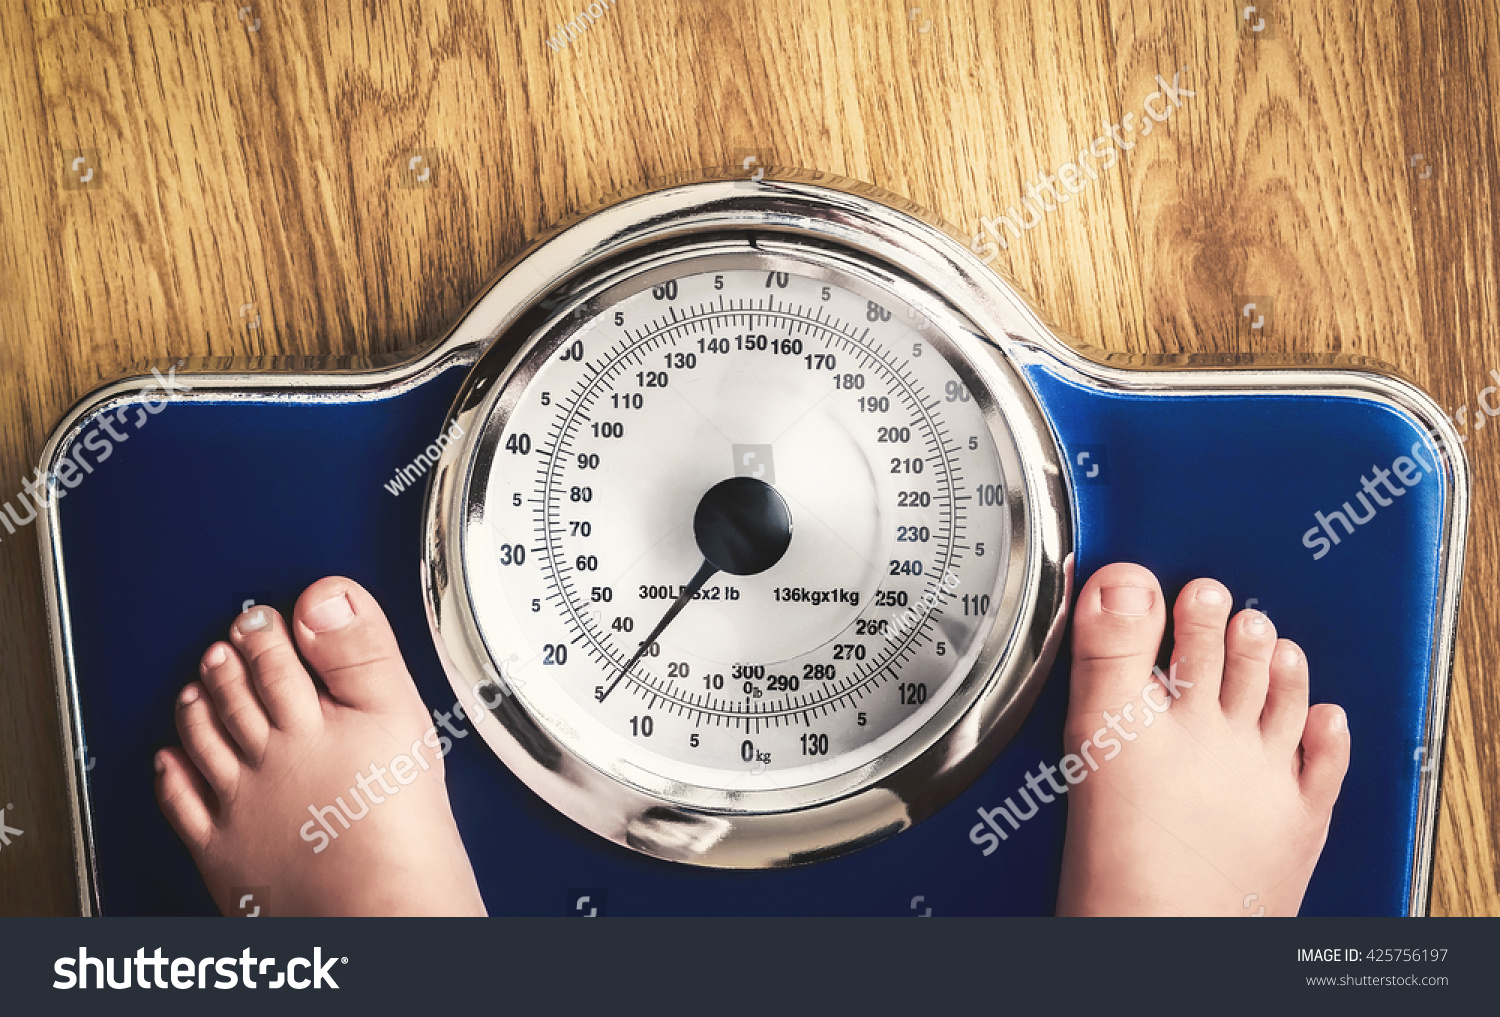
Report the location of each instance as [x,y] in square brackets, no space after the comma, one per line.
[703,575]
[743,527]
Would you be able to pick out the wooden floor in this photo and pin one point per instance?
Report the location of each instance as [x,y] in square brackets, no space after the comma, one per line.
[251,195]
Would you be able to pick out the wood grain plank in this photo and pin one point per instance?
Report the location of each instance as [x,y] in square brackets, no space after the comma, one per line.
[35,310]
[1451,119]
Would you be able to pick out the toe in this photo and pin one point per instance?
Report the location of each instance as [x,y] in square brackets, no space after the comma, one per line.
[344,636]
[1285,714]
[228,681]
[1117,629]
[1325,755]
[183,797]
[280,680]
[1198,621]
[206,742]
[1248,646]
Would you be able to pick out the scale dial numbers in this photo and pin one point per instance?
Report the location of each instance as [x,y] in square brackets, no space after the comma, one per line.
[817,385]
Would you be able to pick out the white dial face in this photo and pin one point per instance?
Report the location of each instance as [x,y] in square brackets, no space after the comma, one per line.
[814,660]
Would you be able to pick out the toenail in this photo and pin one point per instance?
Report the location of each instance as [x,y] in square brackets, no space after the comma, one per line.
[1340,720]
[1129,600]
[1208,593]
[1289,656]
[1255,621]
[253,621]
[161,764]
[333,613]
[214,657]
[189,695]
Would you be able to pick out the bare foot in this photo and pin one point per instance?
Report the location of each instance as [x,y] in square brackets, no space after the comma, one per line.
[1221,805]
[265,750]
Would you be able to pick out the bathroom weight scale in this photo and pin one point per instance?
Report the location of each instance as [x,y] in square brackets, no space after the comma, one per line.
[734,529]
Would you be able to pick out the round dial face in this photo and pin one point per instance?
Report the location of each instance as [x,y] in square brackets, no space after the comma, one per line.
[749,521]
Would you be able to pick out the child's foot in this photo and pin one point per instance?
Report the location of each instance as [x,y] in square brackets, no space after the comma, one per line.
[263,746]
[1221,805]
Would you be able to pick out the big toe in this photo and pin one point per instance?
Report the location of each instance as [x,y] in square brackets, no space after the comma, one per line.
[1117,630]
[344,635]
